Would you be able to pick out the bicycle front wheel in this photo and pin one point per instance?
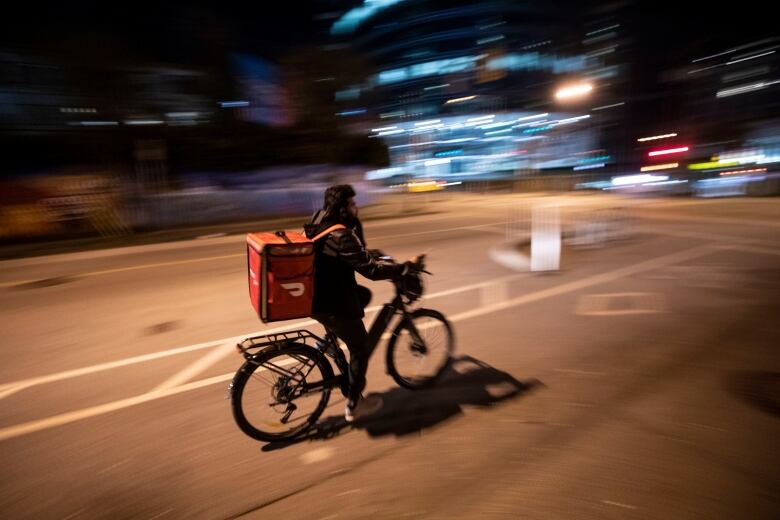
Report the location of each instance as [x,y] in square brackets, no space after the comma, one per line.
[280,393]
[420,348]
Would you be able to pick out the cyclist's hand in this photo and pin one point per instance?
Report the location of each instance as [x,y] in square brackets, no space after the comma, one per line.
[416,264]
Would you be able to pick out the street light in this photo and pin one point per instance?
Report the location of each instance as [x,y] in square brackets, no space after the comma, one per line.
[574,91]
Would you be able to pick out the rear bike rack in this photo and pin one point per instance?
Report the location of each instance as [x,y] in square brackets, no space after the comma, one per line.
[252,346]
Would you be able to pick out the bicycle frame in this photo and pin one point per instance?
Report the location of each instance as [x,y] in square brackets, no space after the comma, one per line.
[328,346]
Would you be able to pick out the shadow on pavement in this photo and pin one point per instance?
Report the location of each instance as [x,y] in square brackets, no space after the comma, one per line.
[466,382]
[759,389]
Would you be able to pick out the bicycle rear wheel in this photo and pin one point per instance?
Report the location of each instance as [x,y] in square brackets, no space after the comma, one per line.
[420,349]
[280,393]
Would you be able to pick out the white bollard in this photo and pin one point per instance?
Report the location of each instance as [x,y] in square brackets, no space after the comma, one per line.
[545,239]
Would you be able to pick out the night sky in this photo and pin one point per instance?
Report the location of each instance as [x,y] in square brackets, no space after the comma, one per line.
[189,32]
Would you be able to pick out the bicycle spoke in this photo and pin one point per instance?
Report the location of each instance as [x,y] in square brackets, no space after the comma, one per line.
[283,393]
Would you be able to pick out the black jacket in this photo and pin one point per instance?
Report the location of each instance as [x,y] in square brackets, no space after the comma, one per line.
[337,257]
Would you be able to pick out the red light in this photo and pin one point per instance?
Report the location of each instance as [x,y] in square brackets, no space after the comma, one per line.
[667,151]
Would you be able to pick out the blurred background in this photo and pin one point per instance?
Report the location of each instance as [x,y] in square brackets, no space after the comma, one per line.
[121,118]
[594,184]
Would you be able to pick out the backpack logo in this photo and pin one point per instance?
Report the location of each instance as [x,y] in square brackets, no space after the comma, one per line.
[295,289]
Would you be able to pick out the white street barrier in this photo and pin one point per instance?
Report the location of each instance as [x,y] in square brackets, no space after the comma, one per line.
[546,239]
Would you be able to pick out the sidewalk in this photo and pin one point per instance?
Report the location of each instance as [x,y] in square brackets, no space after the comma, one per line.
[388,208]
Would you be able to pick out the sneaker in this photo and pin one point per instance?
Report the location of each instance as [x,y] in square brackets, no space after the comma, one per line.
[366,406]
[349,413]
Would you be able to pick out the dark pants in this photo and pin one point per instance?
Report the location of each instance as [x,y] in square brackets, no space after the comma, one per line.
[352,332]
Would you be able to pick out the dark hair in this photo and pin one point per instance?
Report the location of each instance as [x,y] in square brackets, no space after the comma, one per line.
[336,199]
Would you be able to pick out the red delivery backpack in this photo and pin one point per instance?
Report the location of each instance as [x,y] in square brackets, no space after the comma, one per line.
[281,273]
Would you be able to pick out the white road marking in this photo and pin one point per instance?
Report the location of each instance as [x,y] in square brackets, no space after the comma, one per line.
[318,455]
[349,492]
[238,255]
[181,244]
[618,504]
[74,515]
[632,303]
[113,466]
[752,249]
[215,356]
[94,411]
[706,427]
[579,372]
[731,239]
[15,386]
[158,515]
[715,220]
[589,281]
[69,417]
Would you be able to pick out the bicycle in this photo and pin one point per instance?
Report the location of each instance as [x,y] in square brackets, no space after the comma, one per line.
[288,377]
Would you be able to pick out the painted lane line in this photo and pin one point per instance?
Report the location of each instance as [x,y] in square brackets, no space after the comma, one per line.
[236,255]
[680,256]
[751,249]
[709,237]
[715,220]
[15,386]
[69,417]
[215,356]
[178,245]
[618,504]
[94,411]
[579,372]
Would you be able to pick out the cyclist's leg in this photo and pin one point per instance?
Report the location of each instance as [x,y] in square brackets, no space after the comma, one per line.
[334,325]
[353,333]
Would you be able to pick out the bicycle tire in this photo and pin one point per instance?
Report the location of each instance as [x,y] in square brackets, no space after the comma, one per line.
[402,331]
[244,375]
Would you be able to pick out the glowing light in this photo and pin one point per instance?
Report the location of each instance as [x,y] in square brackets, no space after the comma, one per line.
[429,122]
[499,131]
[603,30]
[384,128]
[188,115]
[233,104]
[354,17]
[536,116]
[754,170]
[608,106]
[355,112]
[490,39]
[571,120]
[750,57]
[653,138]
[668,151]
[459,100]
[434,162]
[625,180]
[98,123]
[497,124]
[574,91]
[659,167]
[144,122]
[713,164]
[589,166]
[745,88]
[391,132]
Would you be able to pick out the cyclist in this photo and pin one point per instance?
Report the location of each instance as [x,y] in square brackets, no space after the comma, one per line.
[338,299]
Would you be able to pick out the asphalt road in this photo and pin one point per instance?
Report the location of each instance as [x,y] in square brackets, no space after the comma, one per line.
[642,380]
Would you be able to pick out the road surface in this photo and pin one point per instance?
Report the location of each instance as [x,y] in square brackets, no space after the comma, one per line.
[642,380]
